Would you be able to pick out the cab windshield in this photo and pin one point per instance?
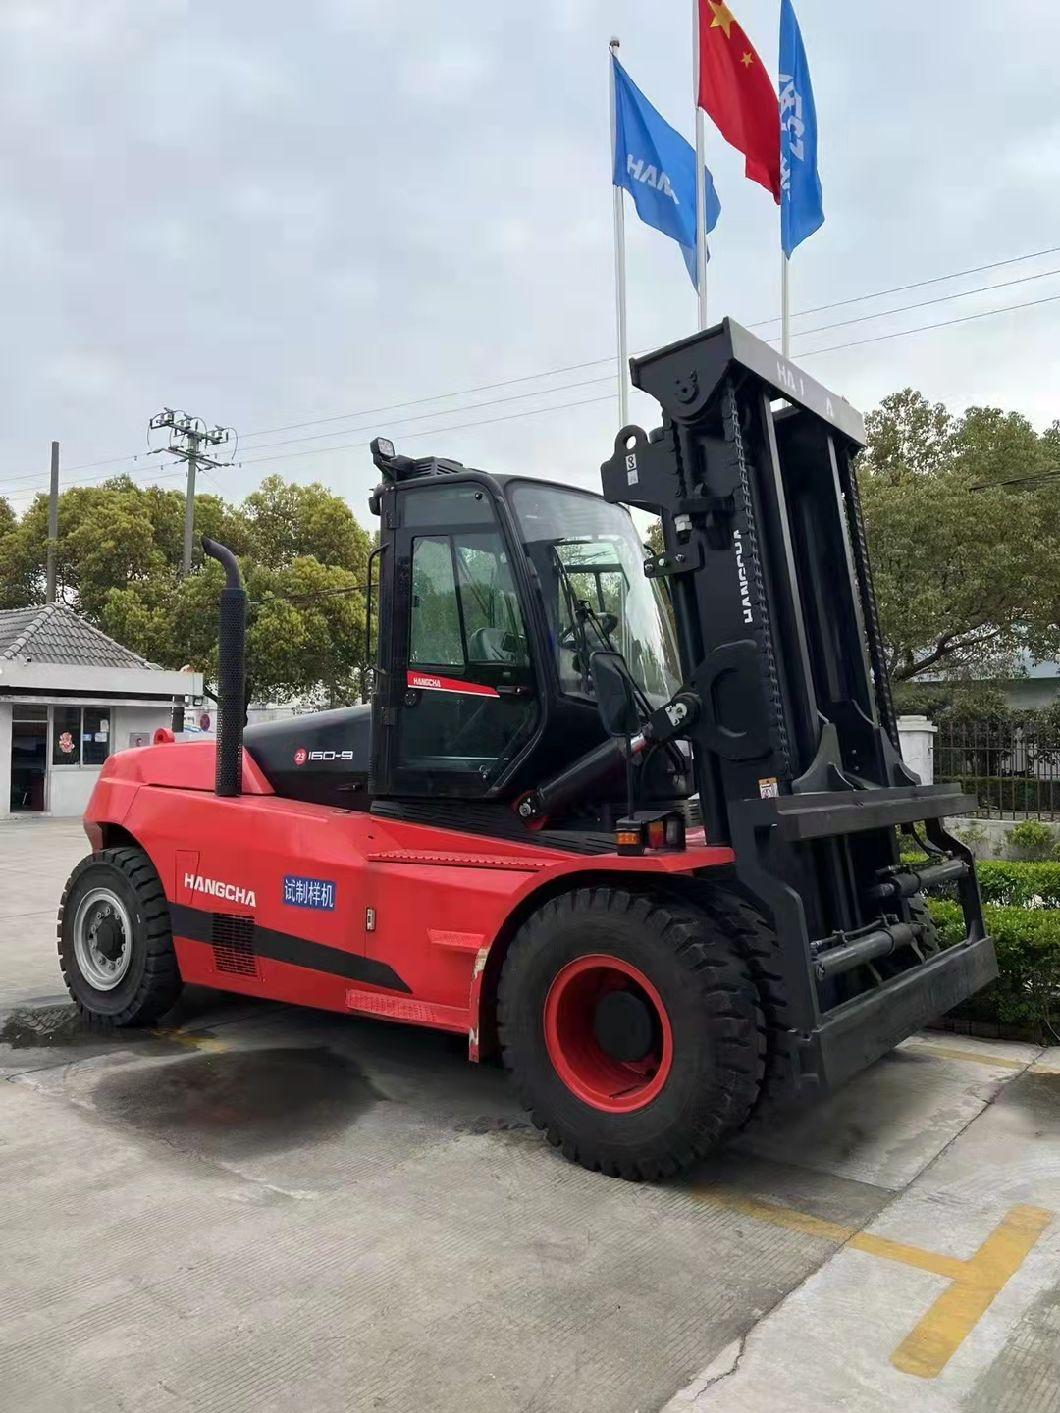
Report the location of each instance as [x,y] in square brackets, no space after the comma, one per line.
[590,565]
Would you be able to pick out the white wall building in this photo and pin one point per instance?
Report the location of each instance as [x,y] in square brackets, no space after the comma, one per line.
[70,697]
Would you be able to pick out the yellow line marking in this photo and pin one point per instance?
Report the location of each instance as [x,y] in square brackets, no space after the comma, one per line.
[777,1216]
[973,1283]
[951,1052]
[960,1307]
[194,1042]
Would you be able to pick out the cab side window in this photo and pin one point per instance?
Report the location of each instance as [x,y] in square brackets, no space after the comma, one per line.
[435,639]
[470,699]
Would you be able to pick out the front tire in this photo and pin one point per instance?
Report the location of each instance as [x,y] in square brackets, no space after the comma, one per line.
[115,943]
[633,1028]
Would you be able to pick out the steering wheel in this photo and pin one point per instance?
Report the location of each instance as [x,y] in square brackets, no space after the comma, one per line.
[607,622]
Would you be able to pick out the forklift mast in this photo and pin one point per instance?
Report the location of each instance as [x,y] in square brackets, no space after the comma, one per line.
[764,552]
[787,700]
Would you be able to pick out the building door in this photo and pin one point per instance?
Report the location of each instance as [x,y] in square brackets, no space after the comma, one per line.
[29,758]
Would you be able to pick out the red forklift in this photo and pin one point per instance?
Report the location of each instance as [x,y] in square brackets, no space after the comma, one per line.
[630,823]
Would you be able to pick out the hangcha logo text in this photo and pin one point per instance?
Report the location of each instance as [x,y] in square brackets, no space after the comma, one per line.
[229,891]
[741,575]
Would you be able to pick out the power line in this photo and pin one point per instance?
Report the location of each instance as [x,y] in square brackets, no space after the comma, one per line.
[32,475]
[440,412]
[917,284]
[922,328]
[595,362]
[609,397]
[923,303]
[590,363]
[310,598]
[431,431]
[154,474]
[1018,480]
[438,431]
[595,382]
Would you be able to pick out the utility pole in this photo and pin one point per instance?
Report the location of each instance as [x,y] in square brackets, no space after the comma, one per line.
[188,436]
[53,521]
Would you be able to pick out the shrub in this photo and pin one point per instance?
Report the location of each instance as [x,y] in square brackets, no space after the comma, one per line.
[1027,991]
[1020,885]
[972,835]
[1031,839]
[1010,885]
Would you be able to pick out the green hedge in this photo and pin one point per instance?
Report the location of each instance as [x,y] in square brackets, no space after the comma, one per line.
[1027,991]
[1011,793]
[1009,885]
[1014,885]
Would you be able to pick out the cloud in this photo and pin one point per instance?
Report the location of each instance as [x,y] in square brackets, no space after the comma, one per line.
[449,71]
[269,213]
[84,373]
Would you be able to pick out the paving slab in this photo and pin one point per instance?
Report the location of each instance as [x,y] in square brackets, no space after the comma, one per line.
[874,1328]
[36,857]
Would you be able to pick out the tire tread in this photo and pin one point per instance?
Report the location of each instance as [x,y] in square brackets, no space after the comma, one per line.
[711,944]
[160,982]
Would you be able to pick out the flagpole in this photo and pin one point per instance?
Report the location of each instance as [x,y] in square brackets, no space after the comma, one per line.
[785,312]
[620,263]
[701,174]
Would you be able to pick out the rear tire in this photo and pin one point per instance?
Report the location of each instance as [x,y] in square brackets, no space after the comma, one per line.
[633,1028]
[115,943]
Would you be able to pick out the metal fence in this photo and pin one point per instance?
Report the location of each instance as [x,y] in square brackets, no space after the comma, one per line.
[1013,770]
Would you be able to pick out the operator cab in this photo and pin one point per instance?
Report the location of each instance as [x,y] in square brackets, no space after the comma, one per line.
[492,592]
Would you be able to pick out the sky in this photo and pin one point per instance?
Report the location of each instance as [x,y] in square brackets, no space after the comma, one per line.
[271,214]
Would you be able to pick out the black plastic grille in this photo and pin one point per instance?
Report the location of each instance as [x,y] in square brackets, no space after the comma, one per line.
[233,944]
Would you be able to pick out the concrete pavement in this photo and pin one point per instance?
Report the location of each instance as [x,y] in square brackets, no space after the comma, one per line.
[262,1208]
[36,856]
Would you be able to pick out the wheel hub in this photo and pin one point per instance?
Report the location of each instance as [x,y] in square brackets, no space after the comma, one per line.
[624,1026]
[102,938]
[109,938]
[608,1034]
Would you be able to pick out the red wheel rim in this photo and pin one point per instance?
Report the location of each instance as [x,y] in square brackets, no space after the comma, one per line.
[597,1077]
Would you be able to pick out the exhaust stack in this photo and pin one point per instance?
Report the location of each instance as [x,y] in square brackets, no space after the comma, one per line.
[231,672]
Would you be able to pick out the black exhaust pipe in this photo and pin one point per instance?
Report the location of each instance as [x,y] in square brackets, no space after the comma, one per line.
[231,672]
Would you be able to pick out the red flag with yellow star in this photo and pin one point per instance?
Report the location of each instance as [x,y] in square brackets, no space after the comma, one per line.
[736,91]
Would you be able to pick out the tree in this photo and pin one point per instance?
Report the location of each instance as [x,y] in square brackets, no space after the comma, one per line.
[286,521]
[908,436]
[304,560]
[967,571]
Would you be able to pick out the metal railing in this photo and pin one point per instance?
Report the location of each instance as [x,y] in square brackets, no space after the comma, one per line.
[1012,769]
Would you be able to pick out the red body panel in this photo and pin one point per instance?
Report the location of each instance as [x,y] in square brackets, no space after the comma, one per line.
[414,909]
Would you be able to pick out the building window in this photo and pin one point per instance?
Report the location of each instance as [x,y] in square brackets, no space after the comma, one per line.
[80,735]
[66,736]
[95,735]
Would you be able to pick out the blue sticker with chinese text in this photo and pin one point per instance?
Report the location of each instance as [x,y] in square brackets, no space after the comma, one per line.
[309,892]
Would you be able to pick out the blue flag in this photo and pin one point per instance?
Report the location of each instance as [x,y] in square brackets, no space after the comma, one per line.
[656,165]
[801,208]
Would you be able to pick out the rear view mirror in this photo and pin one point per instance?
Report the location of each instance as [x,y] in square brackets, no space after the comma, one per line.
[614,694]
